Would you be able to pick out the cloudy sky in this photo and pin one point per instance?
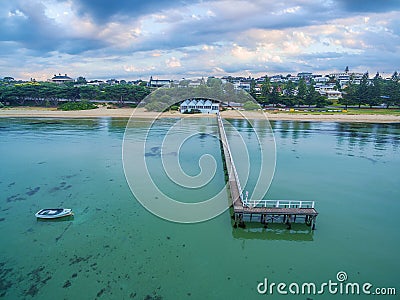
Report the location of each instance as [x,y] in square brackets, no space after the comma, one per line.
[130,39]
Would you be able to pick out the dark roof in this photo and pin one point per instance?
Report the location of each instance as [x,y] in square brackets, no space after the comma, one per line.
[62,77]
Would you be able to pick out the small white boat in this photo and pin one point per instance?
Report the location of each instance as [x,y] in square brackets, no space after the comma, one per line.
[53,213]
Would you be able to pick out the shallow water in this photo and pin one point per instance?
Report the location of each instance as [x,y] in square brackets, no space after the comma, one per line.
[115,249]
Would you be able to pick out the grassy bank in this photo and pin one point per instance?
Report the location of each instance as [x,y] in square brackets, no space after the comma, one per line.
[350,111]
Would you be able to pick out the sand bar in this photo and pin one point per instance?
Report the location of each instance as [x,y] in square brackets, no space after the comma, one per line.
[35,112]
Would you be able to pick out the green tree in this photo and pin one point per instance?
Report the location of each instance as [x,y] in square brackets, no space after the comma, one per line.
[375,91]
[228,95]
[301,91]
[395,77]
[290,88]
[363,92]
[266,88]
[349,95]
[89,92]
[214,82]
[392,91]
[337,87]
[184,83]
[311,96]
[274,96]
[81,80]
[253,88]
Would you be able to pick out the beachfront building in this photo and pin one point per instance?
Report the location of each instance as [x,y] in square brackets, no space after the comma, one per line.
[204,106]
[61,79]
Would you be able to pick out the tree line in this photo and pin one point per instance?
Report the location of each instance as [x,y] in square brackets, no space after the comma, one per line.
[289,94]
[372,92]
[50,94]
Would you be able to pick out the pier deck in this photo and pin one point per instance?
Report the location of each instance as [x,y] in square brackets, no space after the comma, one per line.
[233,179]
[264,210]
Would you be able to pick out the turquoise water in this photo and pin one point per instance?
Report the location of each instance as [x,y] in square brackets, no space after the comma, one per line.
[115,249]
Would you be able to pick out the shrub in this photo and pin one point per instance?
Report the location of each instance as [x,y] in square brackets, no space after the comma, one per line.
[192,111]
[82,105]
[174,107]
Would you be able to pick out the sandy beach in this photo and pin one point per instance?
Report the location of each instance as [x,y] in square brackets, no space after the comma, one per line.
[35,112]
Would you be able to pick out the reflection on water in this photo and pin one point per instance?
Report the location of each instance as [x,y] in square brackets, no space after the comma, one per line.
[255,231]
[64,219]
[349,136]
[273,230]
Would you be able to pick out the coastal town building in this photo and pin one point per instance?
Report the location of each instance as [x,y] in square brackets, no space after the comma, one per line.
[196,83]
[156,83]
[344,78]
[319,80]
[305,75]
[61,79]
[294,79]
[244,85]
[95,82]
[239,82]
[112,81]
[277,79]
[329,91]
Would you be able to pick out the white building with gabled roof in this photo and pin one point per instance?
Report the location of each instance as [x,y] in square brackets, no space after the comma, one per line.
[204,106]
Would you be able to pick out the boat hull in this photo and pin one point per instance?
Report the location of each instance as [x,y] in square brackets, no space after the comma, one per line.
[53,213]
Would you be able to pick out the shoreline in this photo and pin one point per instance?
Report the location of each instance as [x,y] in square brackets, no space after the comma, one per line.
[34,112]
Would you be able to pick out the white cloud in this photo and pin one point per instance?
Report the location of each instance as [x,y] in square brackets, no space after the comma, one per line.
[16,13]
[289,10]
[173,62]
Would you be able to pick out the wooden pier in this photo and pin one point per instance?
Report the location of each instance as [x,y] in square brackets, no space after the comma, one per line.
[263,211]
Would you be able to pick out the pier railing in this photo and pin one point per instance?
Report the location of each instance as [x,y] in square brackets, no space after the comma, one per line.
[279,203]
[226,145]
